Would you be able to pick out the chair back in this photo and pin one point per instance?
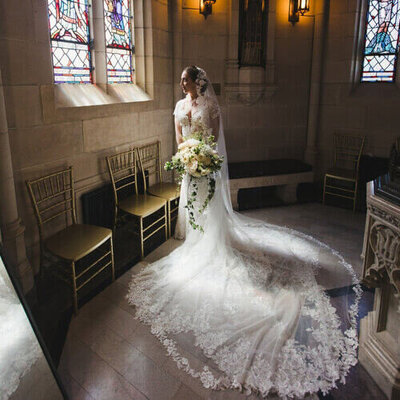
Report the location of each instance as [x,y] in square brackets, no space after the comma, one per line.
[122,168]
[149,160]
[348,150]
[53,197]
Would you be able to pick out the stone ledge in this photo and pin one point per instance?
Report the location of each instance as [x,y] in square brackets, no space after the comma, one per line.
[287,193]
[60,103]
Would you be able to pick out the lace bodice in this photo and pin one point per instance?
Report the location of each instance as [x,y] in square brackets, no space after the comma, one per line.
[202,109]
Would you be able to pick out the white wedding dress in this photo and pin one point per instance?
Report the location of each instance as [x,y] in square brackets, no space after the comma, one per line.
[249,295]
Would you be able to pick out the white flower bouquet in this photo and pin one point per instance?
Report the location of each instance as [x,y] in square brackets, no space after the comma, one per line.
[197,157]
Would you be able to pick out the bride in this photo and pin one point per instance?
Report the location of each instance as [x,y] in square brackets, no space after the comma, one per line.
[253,297]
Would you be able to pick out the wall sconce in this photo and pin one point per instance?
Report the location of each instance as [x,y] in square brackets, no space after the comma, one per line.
[297,8]
[205,7]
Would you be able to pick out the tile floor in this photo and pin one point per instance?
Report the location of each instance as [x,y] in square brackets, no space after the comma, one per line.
[109,355]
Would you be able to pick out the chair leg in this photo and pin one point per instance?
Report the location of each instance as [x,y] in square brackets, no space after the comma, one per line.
[166,214]
[169,218]
[112,259]
[115,221]
[141,239]
[74,291]
[355,196]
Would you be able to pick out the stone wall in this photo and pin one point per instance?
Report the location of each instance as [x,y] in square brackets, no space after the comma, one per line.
[46,136]
[274,124]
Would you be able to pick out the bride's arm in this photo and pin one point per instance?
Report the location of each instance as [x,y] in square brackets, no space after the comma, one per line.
[178,132]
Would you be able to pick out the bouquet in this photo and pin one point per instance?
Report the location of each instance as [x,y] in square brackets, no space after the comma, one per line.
[198,158]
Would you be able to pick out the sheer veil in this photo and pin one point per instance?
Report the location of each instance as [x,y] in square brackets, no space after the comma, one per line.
[246,304]
[211,99]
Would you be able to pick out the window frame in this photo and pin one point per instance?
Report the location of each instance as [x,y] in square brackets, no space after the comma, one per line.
[132,45]
[71,101]
[264,34]
[89,47]
[358,58]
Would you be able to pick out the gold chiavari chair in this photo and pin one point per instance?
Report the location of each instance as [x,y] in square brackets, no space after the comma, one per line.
[123,173]
[342,179]
[150,161]
[53,200]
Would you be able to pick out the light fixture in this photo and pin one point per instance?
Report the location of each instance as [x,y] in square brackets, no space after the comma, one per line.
[296,8]
[205,7]
[304,6]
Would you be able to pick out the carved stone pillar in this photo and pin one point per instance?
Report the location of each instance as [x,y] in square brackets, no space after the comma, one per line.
[320,28]
[12,229]
[177,46]
[380,329]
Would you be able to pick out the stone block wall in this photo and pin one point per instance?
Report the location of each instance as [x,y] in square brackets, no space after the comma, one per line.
[274,126]
[45,136]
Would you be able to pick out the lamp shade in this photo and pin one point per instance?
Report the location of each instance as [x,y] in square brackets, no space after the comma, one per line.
[303,6]
[296,8]
[205,7]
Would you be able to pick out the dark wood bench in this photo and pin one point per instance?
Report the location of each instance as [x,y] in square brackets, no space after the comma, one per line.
[286,174]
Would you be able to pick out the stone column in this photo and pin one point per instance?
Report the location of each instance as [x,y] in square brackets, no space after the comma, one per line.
[99,52]
[12,229]
[320,28]
[380,329]
[177,53]
[176,25]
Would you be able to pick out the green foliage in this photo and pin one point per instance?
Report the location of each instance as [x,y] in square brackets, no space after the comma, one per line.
[198,158]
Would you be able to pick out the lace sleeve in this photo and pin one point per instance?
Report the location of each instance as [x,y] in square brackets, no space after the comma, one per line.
[178,107]
[214,109]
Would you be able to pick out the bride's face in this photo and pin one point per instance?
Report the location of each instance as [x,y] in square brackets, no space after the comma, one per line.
[187,85]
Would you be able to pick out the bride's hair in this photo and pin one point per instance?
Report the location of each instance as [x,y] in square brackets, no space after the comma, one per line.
[199,77]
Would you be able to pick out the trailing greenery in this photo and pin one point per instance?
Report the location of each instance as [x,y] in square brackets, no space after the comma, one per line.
[197,157]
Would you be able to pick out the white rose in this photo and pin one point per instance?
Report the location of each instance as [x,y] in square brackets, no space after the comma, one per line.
[192,167]
[188,143]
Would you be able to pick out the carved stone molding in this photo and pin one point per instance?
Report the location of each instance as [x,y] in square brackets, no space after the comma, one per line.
[380,329]
[249,85]
[385,244]
[384,215]
[248,94]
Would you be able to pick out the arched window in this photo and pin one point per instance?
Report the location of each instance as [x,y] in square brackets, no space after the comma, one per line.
[118,36]
[252,32]
[381,41]
[70,38]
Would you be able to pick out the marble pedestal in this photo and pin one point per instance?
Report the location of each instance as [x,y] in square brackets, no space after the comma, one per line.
[380,329]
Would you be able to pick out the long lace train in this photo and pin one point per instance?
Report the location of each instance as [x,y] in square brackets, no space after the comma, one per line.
[254,305]
[250,295]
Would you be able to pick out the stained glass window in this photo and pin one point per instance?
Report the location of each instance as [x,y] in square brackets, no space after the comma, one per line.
[381,41]
[119,47]
[252,32]
[69,34]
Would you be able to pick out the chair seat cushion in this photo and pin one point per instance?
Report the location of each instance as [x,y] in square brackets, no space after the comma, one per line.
[165,190]
[77,241]
[141,205]
[338,173]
